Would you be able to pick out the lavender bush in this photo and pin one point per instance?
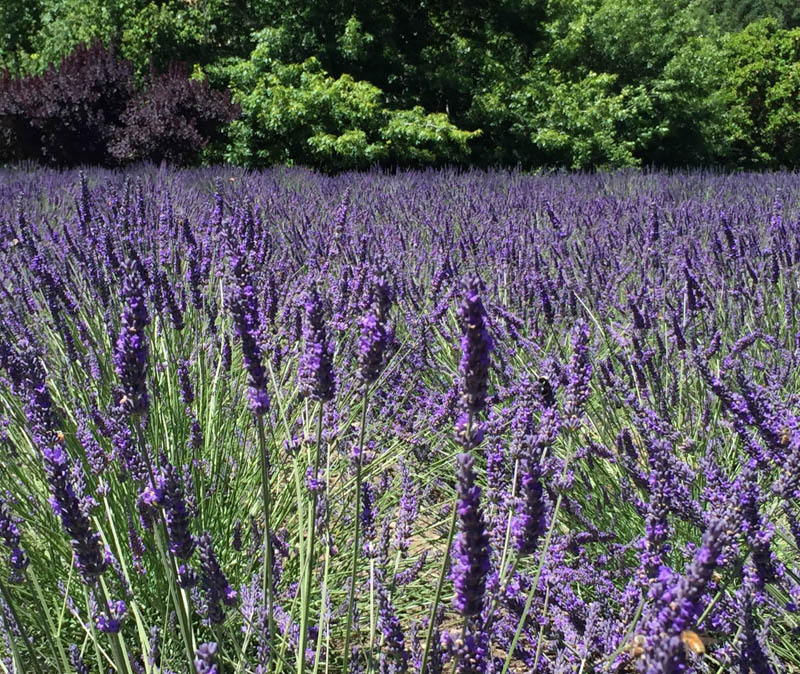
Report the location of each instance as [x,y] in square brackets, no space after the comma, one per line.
[429,422]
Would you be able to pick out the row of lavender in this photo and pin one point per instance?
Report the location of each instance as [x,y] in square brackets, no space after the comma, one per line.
[427,422]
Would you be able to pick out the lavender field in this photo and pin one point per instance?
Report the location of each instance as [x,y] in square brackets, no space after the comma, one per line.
[426,422]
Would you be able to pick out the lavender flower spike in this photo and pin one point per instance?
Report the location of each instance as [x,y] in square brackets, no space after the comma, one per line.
[471,553]
[393,657]
[170,497]
[372,343]
[316,363]
[244,306]
[131,351]
[204,659]
[76,660]
[111,622]
[89,556]
[580,374]
[681,605]
[216,585]
[9,532]
[528,524]
[476,344]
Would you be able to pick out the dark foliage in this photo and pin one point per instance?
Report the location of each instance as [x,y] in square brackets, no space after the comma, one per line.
[69,113]
[87,110]
[172,120]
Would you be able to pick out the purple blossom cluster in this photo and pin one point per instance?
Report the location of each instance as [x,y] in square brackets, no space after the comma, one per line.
[89,558]
[10,533]
[131,349]
[315,369]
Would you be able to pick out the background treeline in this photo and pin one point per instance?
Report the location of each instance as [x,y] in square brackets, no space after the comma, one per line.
[339,85]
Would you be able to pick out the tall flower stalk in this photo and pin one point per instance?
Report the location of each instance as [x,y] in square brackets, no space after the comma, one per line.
[65,499]
[244,307]
[317,382]
[472,543]
[131,352]
[131,349]
[372,344]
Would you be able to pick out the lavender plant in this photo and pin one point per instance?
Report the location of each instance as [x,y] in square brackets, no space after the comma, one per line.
[427,422]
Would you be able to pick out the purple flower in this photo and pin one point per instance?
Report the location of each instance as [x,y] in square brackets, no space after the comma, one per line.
[694,295]
[367,512]
[40,410]
[204,659]
[187,577]
[471,652]
[372,343]
[95,454]
[131,350]
[528,523]
[170,497]
[9,532]
[111,622]
[470,435]
[154,646]
[237,535]
[412,572]
[677,332]
[579,376]
[184,379]
[471,547]
[244,307]
[476,344]
[340,219]
[89,558]
[76,660]
[393,657]
[137,546]
[408,510]
[126,450]
[316,361]
[758,533]
[680,604]
[753,657]
[215,584]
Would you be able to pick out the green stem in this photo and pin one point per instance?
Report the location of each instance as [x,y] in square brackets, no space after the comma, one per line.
[167,557]
[132,604]
[372,621]
[535,585]
[443,571]
[439,585]
[266,506]
[351,593]
[301,656]
[117,648]
[44,615]
[10,603]
[324,621]
[507,539]
[541,631]
[93,634]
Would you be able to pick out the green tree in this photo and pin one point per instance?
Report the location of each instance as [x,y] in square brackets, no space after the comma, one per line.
[65,24]
[158,33]
[19,22]
[735,15]
[761,92]
[300,113]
